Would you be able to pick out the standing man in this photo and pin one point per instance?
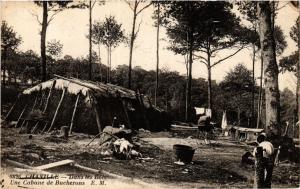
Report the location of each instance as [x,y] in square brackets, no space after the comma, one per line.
[205,127]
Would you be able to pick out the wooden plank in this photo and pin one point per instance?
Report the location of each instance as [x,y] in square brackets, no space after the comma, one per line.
[183,127]
[55,164]
[57,109]
[74,112]
[50,91]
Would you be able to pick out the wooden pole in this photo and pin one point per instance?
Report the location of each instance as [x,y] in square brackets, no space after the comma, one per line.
[44,127]
[259,168]
[34,103]
[57,109]
[94,106]
[50,91]
[26,124]
[21,116]
[140,100]
[11,109]
[41,102]
[74,111]
[35,126]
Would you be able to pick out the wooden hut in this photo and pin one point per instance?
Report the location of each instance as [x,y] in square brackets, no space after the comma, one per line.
[84,106]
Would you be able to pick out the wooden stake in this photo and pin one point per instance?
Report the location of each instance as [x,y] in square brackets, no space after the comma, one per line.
[11,109]
[50,91]
[21,116]
[74,112]
[57,109]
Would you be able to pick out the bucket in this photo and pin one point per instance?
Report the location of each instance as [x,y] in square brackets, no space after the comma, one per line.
[183,153]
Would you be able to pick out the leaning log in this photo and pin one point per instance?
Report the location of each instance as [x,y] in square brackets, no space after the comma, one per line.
[47,101]
[94,107]
[86,169]
[74,112]
[17,164]
[35,127]
[21,116]
[57,109]
[11,109]
[34,104]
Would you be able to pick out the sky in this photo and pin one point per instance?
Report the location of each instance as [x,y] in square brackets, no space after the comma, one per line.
[70,27]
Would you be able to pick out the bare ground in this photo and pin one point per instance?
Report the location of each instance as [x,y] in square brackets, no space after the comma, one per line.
[217,165]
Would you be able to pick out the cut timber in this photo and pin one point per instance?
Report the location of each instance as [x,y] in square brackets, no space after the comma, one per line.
[17,164]
[11,109]
[55,164]
[57,109]
[74,112]
[47,101]
[87,169]
[21,116]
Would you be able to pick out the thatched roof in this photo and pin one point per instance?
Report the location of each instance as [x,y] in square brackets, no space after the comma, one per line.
[75,86]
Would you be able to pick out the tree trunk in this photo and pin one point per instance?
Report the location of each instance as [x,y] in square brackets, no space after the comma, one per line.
[157,53]
[90,40]
[4,55]
[259,169]
[253,86]
[186,88]
[43,40]
[107,70]
[209,100]
[260,94]
[99,61]
[298,76]
[270,69]
[189,86]
[109,64]
[132,38]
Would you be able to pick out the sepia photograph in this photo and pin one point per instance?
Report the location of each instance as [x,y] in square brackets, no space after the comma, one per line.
[155,94]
